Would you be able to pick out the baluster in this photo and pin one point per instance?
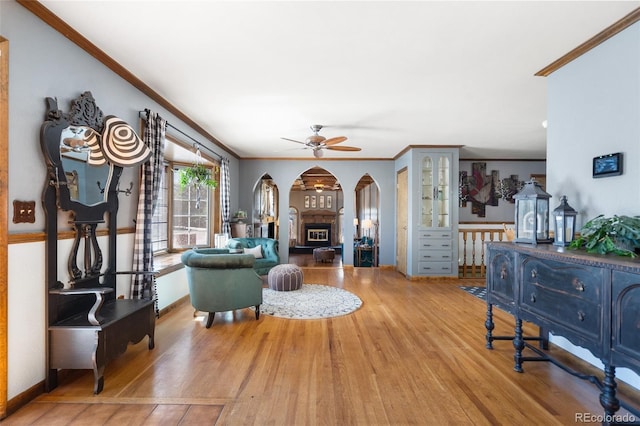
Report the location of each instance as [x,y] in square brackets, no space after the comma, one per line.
[473,253]
[482,267]
[464,253]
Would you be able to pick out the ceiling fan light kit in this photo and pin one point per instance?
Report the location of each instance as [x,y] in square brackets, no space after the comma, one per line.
[319,143]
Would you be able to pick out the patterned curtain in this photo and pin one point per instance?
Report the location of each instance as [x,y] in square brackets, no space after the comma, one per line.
[143,284]
[225,195]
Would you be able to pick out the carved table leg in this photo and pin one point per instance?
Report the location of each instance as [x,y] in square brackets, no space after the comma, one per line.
[488,324]
[518,344]
[608,398]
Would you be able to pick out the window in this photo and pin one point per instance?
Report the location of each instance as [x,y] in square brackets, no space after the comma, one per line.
[190,215]
[184,217]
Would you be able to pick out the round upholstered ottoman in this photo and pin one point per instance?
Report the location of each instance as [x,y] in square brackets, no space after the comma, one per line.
[285,277]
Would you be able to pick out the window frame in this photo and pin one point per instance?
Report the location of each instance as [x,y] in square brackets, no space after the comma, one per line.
[213,205]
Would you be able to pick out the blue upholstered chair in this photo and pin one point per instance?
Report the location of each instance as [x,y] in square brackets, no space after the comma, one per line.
[220,281]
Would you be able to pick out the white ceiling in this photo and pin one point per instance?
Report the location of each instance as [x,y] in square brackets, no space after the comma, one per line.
[385,74]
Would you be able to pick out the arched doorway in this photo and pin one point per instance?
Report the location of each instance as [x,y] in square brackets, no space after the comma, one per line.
[265,212]
[315,204]
[366,241]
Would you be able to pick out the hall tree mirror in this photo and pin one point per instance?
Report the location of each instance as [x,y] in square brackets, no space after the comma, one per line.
[84,155]
[86,181]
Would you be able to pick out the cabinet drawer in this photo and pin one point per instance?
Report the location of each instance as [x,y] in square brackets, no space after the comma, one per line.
[435,244]
[430,268]
[577,314]
[566,280]
[435,234]
[436,255]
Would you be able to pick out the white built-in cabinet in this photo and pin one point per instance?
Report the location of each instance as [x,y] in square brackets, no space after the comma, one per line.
[435,242]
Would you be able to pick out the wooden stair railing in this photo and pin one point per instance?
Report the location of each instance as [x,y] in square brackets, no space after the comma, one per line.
[472,250]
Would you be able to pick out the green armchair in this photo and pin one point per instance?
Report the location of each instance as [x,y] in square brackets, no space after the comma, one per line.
[219,281]
[269,251]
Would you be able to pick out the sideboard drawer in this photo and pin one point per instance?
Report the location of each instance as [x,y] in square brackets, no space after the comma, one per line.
[580,315]
[580,281]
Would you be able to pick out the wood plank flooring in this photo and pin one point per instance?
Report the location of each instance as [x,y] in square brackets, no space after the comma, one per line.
[414,354]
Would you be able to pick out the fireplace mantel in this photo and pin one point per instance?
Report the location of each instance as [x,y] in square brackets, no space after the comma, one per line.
[317,217]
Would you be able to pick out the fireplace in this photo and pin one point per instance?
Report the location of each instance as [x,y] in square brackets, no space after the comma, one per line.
[317,234]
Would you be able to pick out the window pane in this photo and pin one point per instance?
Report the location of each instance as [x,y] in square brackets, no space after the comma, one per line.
[190,215]
[159,221]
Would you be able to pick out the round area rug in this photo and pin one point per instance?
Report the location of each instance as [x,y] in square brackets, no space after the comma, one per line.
[311,301]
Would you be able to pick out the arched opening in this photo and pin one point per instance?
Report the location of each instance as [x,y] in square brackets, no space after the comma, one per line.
[264,215]
[366,221]
[317,198]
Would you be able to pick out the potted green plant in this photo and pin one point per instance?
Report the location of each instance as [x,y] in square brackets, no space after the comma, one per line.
[197,175]
[619,235]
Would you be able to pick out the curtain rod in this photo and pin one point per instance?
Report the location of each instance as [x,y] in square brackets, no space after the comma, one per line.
[143,115]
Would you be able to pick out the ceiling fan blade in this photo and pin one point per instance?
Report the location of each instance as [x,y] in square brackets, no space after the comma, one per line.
[333,141]
[292,140]
[344,148]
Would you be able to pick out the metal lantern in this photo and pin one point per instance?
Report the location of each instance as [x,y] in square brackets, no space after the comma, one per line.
[532,214]
[564,223]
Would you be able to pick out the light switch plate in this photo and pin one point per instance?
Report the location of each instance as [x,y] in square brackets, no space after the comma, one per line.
[24,211]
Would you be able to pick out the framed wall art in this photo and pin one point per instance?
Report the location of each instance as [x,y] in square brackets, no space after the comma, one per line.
[306,201]
[329,201]
[313,201]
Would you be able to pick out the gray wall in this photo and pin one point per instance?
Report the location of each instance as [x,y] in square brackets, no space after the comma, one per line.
[594,109]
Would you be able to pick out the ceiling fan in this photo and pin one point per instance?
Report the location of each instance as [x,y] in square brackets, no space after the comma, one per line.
[318,143]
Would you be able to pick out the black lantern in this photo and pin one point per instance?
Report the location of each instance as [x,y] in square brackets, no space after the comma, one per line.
[532,214]
[564,223]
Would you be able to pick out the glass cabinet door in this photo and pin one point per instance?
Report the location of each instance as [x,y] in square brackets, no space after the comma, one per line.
[444,203]
[428,191]
[436,181]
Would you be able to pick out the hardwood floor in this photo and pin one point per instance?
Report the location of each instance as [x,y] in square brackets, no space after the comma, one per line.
[413,354]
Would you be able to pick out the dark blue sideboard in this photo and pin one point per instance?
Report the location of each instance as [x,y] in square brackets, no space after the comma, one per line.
[591,300]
